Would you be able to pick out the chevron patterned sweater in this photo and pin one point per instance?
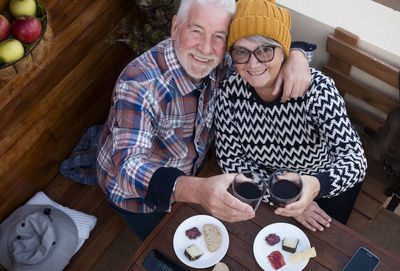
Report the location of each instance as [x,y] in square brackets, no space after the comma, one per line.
[311,134]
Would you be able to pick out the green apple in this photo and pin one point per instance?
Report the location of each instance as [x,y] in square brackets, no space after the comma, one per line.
[10,51]
[22,7]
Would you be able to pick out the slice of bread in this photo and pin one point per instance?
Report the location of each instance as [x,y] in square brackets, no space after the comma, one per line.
[220,267]
[212,236]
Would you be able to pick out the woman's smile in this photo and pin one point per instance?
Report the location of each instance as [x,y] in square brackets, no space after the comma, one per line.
[257,73]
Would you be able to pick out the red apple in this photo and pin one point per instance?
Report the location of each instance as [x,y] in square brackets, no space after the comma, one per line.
[4,28]
[27,29]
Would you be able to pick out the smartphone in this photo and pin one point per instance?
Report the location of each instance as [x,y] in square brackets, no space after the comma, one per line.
[157,261]
[363,260]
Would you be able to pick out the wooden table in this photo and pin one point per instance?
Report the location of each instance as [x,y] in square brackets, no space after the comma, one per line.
[334,245]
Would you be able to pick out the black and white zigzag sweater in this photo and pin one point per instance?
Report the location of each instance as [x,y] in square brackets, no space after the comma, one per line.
[311,134]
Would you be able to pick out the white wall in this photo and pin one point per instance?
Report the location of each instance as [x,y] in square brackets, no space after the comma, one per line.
[377,26]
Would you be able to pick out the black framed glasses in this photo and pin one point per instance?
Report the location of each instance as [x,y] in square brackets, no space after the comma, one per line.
[263,54]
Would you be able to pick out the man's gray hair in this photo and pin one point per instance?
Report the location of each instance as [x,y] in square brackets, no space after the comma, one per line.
[184,7]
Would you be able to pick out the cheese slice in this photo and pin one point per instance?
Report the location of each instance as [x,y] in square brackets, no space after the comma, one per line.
[299,256]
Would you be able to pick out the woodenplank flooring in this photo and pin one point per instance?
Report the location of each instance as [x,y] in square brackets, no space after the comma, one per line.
[44,113]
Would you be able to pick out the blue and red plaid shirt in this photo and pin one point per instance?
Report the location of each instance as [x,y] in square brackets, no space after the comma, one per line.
[158,128]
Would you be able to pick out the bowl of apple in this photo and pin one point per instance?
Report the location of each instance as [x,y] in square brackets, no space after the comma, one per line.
[24,36]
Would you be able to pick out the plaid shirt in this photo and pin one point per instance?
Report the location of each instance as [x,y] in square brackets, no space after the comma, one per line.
[158,128]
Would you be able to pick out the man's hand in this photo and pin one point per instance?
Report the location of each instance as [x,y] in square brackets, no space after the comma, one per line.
[212,194]
[314,218]
[294,75]
[311,188]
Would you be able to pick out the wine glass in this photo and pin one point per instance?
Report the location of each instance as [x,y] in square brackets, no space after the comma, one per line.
[285,187]
[249,187]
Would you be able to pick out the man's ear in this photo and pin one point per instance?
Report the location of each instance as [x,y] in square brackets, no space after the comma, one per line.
[174,27]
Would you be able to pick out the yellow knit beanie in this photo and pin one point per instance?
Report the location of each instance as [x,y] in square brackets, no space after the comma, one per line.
[261,18]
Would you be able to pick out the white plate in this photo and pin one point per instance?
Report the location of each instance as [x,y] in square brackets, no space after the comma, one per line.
[261,249]
[181,241]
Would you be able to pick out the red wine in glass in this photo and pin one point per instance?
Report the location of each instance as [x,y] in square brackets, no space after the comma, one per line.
[249,188]
[285,187]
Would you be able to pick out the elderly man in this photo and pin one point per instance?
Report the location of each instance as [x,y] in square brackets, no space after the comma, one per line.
[159,126]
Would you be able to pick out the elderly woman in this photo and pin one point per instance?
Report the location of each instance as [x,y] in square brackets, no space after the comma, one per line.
[312,134]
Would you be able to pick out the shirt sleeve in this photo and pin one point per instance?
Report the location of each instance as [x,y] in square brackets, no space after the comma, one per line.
[348,163]
[305,47]
[135,123]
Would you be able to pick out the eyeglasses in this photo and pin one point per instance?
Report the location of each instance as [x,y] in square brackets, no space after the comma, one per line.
[263,54]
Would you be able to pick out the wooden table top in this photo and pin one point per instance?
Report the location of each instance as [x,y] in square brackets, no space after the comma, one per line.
[334,246]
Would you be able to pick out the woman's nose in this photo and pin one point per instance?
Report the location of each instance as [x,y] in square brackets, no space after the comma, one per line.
[253,61]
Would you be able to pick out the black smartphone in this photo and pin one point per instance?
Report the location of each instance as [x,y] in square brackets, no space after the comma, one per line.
[362,260]
[157,261]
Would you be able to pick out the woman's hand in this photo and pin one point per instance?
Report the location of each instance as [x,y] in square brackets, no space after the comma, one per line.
[311,188]
[295,76]
[306,210]
[314,218]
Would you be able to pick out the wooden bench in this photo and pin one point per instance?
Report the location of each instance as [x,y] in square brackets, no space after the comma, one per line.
[44,113]
[344,56]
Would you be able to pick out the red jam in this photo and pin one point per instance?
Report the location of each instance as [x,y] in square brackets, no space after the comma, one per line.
[276,259]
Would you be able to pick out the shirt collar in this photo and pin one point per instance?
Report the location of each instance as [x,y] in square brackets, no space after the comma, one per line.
[185,86]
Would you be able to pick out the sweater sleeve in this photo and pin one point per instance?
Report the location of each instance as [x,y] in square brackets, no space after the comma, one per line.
[348,163]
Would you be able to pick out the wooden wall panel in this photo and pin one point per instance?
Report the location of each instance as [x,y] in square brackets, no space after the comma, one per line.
[43,113]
